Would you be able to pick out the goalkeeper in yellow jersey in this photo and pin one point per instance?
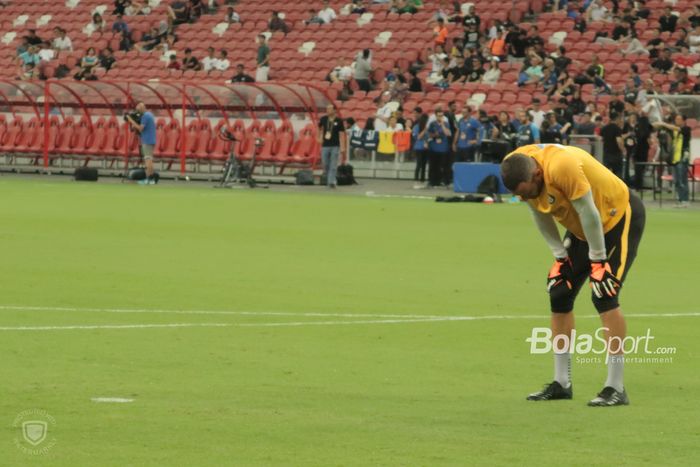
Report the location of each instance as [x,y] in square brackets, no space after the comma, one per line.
[604,224]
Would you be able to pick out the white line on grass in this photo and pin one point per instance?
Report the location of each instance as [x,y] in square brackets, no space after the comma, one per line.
[113,326]
[399,317]
[112,400]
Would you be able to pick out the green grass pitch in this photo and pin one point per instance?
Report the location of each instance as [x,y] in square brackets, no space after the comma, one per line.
[309,366]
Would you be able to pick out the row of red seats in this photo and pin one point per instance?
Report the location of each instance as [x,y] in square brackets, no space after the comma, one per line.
[107,137]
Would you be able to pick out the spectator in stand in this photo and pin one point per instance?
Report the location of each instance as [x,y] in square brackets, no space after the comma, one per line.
[534,39]
[471,17]
[27,72]
[596,11]
[149,41]
[87,66]
[313,18]
[585,126]
[694,40]
[357,7]
[533,73]
[262,71]
[420,147]
[471,36]
[33,39]
[576,104]
[613,144]
[119,26]
[439,146]
[497,45]
[107,59]
[680,84]
[440,33]
[209,62]
[655,44]
[22,47]
[466,140]
[536,113]
[363,68]
[277,24]
[668,21]
[694,18]
[62,42]
[29,57]
[222,63]
[493,74]
[564,87]
[46,53]
[190,62]
[327,14]
[196,9]
[680,155]
[98,24]
[477,71]
[414,83]
[119,6]
[173,64]
[178,13]
[232,16]
[341,73]
[663,64]
[240,76]
[396,75]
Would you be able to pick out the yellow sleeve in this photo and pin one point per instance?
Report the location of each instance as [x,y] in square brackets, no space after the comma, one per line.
[566,173]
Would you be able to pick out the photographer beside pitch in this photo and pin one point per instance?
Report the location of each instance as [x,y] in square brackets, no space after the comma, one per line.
[604,224]
[146,129]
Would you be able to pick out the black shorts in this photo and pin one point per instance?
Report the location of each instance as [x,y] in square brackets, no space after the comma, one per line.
[621,244]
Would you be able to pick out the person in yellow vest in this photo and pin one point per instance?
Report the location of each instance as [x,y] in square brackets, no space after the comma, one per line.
[604,224]
[386,137]
[680,156]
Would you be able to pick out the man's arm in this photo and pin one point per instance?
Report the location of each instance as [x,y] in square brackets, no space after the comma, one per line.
[135,125]
[592,226]
[548,228]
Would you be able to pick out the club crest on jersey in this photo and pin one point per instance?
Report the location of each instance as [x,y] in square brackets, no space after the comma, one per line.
[550,198]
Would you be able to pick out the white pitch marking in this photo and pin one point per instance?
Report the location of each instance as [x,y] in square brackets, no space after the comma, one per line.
[113,400]
[544,315]
[114,326]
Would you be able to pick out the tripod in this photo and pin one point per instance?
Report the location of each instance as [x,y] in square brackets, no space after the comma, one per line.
[235,170]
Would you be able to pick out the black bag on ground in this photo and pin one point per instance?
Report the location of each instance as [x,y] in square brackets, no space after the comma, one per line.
[488,186]
[304,177]
[345,175]
[85,174]
[139,173]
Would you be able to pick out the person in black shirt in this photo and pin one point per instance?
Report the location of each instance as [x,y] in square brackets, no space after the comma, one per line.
[518,45]
[332,139]
[189,62]
[655,44]
[613,146]
[681,44]
[694,19]
[664,62]
[240,76]
[619,31]
[471,18]
[668,21]
[476,72]
[533,37]
[107,58]
[629,139]
[562,61]
[642,134]
[415,84]
[33,39]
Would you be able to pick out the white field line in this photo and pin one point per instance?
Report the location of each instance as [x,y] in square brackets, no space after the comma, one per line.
[112,400]
[400,319]
[397,317]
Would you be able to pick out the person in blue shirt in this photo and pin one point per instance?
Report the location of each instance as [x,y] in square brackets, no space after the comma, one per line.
[467,138]
[528,133]
[420,146]
[438,146]
[146,128]
[120,26]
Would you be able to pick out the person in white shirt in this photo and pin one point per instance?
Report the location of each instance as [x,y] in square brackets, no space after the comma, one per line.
[596,11]
[46,53]
[437,58]
[222,62]
[694,40]
[209,62]
[537,113]
[232,16]
[61,41]
[493,74]
[327,14]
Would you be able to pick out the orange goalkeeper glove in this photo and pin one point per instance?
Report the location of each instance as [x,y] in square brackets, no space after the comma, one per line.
[603,282]
[560,274]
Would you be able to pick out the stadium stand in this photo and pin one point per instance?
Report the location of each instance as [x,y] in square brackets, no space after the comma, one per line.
[307,51]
